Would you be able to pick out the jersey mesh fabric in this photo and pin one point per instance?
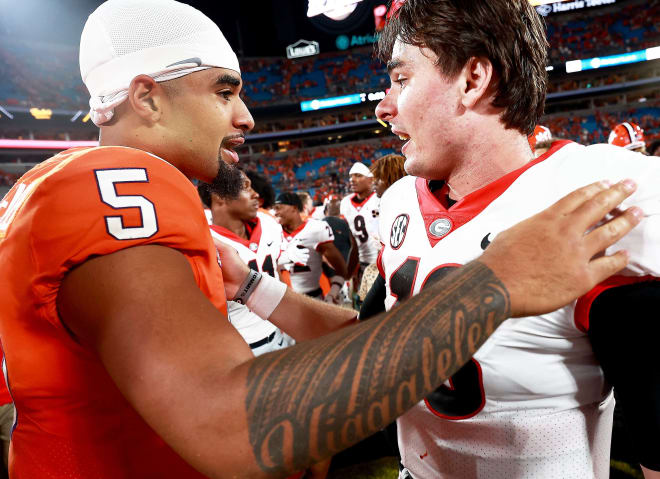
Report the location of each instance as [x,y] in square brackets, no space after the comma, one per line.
[157,27]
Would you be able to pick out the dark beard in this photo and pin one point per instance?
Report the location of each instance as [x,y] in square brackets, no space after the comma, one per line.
[228,183]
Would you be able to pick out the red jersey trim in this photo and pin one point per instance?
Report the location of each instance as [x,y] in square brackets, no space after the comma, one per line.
[253,229]
[379,260]
[296,231]
[359,204]
[584,303]
[474,203]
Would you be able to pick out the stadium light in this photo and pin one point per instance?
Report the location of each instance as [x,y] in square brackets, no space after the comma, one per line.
[41,113]
[43,144]
[322,103]
[9,115]
[653,53]
[613,60]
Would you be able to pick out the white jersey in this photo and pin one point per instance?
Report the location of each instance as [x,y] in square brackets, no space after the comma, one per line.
[318,213]
[362,218]
[533,402]
[260,252]
[310,234]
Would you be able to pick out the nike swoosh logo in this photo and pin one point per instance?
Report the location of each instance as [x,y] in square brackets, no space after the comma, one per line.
[268,244]
[196,60]
[280,342]
[485,242]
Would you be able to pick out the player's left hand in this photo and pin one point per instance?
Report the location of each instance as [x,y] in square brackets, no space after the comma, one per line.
[234,270]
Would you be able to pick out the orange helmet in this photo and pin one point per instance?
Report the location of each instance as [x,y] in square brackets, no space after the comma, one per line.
[627,135]
[541,133]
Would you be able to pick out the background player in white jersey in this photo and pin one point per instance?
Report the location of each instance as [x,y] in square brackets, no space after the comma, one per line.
[468,86]
[309,210]
[360,209]
[317,236]
[257,237]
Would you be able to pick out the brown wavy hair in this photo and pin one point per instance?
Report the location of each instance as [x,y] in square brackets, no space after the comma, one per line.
[389,168]
[510,33]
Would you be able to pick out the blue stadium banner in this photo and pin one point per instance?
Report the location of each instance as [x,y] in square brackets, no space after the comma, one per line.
[321,103]
[611,60]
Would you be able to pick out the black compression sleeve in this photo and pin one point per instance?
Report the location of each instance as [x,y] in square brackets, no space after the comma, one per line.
[624,328]
[374,301]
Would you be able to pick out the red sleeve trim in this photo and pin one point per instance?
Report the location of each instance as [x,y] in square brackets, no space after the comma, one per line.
[379,261]
[583,305]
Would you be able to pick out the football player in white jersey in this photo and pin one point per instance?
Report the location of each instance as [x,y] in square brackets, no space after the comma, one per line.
[309,210]
[257,237]
[315,235]
[468,86]
[360,209]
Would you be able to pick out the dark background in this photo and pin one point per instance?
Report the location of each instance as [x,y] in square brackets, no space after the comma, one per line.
[253,28]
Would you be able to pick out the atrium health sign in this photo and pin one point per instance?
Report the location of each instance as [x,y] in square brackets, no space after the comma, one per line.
[302,48]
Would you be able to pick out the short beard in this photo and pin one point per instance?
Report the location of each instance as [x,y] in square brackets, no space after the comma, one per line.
[228,183]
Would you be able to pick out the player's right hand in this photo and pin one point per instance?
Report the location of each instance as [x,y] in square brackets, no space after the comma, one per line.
[554,257]
[295,253]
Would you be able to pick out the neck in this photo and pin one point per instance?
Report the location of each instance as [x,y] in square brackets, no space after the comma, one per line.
[293,224]
[235,225]
[362,195]
[487,160]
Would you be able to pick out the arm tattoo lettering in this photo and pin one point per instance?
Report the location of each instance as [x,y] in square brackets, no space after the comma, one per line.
[320,397]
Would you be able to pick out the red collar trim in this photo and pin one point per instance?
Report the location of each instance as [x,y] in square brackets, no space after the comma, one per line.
[464,210]
[253,229]
[359,204]
[297,230]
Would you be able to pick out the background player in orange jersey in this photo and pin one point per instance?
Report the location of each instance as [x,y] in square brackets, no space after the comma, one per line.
[118,351]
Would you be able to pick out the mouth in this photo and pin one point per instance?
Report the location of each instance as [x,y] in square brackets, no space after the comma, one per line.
[228,146]
[403,136]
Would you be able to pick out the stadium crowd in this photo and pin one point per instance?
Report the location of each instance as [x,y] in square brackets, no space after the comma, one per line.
[302,244]
[46,75]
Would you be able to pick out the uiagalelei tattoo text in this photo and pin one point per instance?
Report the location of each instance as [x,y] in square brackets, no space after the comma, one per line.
[312,401]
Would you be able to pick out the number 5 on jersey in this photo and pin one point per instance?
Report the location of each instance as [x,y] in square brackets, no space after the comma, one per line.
[107,180]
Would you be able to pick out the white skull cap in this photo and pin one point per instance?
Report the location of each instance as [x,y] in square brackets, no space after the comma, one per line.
[164,39]
[361,169]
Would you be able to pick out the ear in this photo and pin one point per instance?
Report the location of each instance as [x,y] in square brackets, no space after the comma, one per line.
[476,78]
[146,98]
[217,200]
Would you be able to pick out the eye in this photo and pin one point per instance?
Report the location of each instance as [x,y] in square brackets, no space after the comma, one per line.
[401,81]
[226,94]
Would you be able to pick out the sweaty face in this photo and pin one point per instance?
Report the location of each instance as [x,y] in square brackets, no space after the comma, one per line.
[205,120]
[424,109]
[360,184]
[246,205]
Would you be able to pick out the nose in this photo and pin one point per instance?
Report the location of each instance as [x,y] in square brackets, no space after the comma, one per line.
[243,118]
[386,108]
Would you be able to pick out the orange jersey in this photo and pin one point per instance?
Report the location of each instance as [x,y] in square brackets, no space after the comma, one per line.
[71,420]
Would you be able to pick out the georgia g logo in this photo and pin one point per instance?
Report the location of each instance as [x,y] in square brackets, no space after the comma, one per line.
[399,229]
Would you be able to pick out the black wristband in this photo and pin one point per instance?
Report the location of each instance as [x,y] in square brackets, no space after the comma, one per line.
[249,284]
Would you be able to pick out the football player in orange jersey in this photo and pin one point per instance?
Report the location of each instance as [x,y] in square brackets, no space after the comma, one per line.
[118,351]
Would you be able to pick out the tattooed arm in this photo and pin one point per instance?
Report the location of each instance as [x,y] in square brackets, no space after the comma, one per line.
[349,384]
[192,378]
